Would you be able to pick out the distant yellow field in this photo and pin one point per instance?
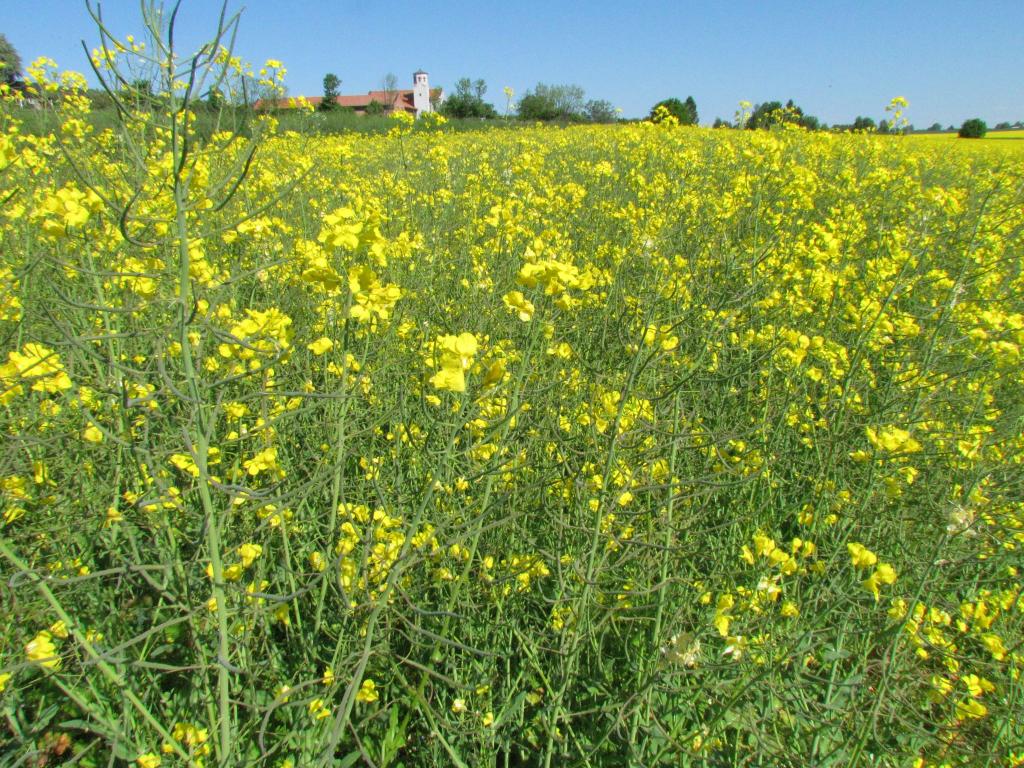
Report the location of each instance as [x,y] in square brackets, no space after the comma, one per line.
[1011,141]
[990,136]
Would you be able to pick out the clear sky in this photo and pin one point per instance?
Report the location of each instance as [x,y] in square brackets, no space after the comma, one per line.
[952,59]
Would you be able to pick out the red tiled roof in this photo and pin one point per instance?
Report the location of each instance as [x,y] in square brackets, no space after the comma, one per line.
[383,97]
[400,99]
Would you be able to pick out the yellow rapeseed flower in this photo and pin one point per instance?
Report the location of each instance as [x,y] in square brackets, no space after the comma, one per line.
[41,650]
[367,692]
[455,354]
[892,440]
[521,306]
[883,574]
[861,556]
[971,709]
[249,552]
[320,346]
[37,364]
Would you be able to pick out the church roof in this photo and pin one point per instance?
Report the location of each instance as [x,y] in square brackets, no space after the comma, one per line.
[401,98]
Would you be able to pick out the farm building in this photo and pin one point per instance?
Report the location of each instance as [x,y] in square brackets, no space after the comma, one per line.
[416,100]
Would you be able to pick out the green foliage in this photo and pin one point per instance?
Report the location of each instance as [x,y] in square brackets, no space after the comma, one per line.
[690,111]
[684,111]
[974,128]
[552,102]
[331,85]
[766,115]
[468,101]
[100,99]
[673,105]
[375,108]
[772,113]
[600,111]
[810,122]
[215,100]
[10,62]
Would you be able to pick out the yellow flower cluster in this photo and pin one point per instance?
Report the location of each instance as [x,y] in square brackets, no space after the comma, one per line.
[37,365]
[863,558]
[263,333]
[194,738]
[66,209]
[42,651]
[452,356]
[370,299]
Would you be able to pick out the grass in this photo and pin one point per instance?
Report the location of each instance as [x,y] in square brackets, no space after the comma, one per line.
[41,122]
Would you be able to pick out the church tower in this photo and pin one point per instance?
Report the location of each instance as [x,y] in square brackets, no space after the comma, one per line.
[421,93]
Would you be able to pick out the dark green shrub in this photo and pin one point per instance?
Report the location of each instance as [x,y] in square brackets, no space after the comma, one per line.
[974,128]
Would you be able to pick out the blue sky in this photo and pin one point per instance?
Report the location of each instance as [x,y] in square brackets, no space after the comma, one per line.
[952,59]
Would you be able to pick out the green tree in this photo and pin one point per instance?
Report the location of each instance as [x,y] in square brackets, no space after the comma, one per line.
[773,113]
[375,108]
[10,62]
[468,100]
[331,86]
[974,128]
[864,124]
[599,111]
[766,115]
[552,102]
[675,107]
[810,122]
[689,112]
[684,111]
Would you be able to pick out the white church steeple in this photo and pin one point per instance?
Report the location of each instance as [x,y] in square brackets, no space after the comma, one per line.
[421,93]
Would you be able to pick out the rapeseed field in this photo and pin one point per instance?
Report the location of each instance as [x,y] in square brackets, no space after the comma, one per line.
[631,445]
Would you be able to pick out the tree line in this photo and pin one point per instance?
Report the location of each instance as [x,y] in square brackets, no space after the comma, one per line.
[554,103]
[544,102]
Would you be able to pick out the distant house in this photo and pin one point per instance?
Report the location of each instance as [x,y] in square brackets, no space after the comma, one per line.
[417,100]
